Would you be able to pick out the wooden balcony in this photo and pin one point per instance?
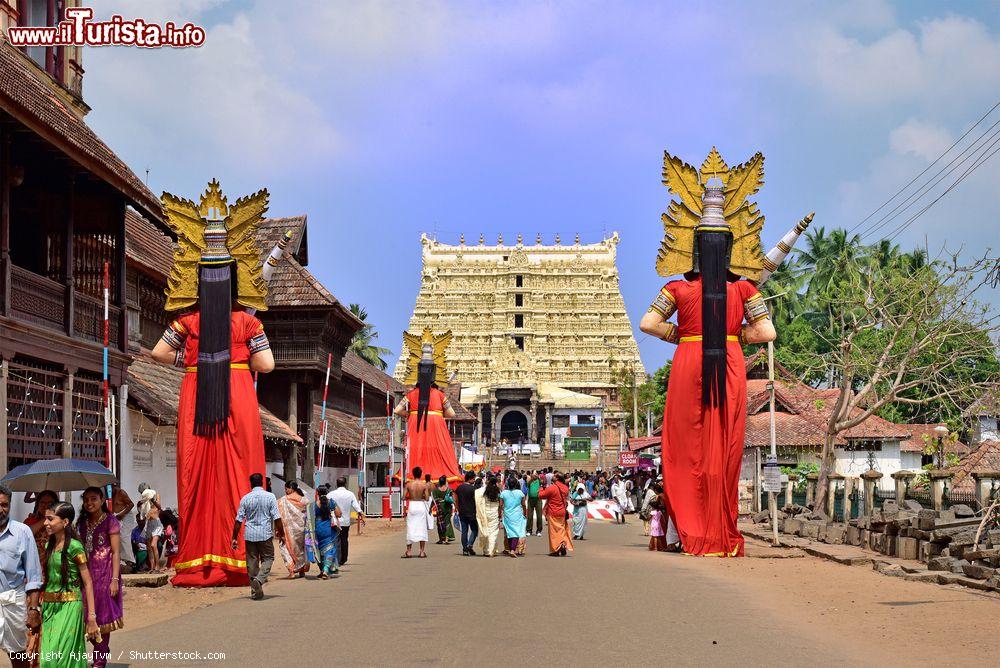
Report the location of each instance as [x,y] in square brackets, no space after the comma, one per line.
[308,353]
[37,299]
[41,301]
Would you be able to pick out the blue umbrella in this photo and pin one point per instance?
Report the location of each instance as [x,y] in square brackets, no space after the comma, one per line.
[58,475]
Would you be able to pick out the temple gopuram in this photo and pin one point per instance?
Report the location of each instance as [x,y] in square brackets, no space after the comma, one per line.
[539,332]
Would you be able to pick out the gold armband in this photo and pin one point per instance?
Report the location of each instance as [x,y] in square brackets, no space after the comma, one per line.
[754,309]
[742,336]
[664,304]
[672,335]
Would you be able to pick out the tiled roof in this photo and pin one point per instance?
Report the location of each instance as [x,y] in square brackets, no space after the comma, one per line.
[147,246]
[155,387]
[33,103]
[814,405]
[790,431]
[462,414]
[344,430]
[294,285]
[354,366]
[986,457]
[272,229]
[637,443]
[922,434]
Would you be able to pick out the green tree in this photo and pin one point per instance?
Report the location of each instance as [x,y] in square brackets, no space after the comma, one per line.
[363,344]
[905,340]
[651,393]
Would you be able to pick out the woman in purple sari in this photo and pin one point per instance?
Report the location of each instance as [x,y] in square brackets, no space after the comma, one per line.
[100,533]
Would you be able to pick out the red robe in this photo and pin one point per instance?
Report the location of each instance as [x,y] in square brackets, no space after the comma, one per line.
[430,446]
[213,473]
[702,445]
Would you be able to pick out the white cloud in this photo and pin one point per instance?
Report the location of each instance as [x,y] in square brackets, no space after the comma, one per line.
[156,11]
[920,138]
[924,65]
[223,104]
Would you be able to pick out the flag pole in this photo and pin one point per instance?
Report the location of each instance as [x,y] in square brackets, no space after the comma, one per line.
[388,438]
[322,435]
[105,390]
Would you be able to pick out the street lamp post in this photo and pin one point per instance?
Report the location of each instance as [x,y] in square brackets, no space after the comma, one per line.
[940,433]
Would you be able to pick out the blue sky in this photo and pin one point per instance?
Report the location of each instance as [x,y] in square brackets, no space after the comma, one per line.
[382,120]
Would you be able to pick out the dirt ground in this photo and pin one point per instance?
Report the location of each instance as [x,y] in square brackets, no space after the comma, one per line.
[145,606]
[612,602]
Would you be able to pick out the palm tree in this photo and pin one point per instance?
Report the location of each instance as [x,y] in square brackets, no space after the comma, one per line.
[363,343]
[787,286]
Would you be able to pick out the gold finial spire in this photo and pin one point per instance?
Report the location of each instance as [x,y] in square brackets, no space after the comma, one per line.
[500,240]
[461,239]
[538,238]
[576,239]
[520,240]
[482,239]
[557,238]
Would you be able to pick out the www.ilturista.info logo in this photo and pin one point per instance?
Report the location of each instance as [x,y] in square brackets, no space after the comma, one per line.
[78,29]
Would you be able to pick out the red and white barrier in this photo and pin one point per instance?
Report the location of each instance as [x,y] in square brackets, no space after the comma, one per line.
[603,510]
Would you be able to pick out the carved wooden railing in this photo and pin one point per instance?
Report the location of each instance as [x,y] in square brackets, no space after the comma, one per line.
[37,299]
[298,351]
[88,319]
[42,301]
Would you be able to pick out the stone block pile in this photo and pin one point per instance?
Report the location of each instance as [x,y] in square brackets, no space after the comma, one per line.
[944,540]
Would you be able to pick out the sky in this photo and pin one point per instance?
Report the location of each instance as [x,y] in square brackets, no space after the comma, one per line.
[384,120]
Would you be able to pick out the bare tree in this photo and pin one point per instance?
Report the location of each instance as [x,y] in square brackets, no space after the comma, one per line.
[910,336]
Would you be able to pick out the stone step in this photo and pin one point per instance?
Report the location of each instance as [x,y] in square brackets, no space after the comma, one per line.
[145,579]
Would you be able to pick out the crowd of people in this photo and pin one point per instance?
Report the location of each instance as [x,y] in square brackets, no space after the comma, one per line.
[308,531]
[515,501]
[60,573]
[60,570]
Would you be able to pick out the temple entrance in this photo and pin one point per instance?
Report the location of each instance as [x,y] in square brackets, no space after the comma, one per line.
[514,427]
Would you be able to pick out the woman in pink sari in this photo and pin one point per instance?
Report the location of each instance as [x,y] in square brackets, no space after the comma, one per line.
[292,507]
[100,534]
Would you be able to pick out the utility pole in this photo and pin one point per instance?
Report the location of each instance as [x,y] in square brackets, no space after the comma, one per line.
[635,402]
[772,499]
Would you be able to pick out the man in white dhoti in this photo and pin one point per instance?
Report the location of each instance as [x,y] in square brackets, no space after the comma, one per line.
[620,494]
[418,516]
[20,584]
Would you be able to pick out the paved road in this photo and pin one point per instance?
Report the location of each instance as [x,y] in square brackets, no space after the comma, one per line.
[611,603]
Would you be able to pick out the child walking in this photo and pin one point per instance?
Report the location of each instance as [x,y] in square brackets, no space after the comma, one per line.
[657,533]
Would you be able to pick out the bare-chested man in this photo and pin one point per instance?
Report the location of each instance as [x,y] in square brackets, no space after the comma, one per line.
[418,514]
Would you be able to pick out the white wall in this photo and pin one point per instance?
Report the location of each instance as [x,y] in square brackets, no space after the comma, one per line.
[988,429]
[149,454]
[910,461]
[887,462]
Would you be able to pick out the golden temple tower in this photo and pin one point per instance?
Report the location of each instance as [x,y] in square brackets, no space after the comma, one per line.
[538,331]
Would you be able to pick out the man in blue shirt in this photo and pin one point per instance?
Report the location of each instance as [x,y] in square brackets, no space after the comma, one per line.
[20,584]
[258,513]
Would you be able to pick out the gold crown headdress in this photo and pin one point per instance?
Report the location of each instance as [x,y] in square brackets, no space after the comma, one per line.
[213,232]
[430,346]
[682,219]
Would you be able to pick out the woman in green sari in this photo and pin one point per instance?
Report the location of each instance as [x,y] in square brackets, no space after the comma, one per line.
[445,503]
[64,638]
